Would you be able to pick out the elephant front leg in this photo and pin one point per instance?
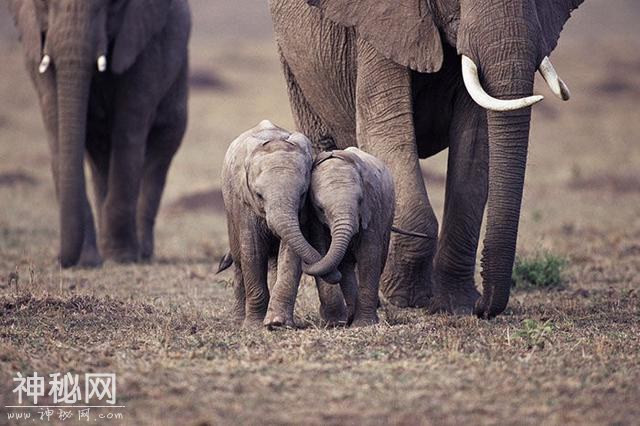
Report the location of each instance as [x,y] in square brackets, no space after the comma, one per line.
[370,260]
[385,129]
[254,263]
[285,290]
[333,308]
[126,162]
[465,198]
[349,287]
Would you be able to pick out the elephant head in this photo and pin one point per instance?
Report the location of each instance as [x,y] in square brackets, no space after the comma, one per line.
[276,180]
[66,42]
[502,43]
[337,193]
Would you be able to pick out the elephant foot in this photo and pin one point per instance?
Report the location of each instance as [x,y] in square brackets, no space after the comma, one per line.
[122,255]
[406,279]
[406,287]
[278,319]
[335,315]
[90,258]
[365,321]
[253,323]
[146,249]
[455,297]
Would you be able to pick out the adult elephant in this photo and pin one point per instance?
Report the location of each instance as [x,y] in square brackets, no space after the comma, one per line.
[399,80]
[111,76]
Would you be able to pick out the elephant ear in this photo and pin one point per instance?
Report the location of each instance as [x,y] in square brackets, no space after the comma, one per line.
[26,16]
[401,30]
[141,21]
[552,15]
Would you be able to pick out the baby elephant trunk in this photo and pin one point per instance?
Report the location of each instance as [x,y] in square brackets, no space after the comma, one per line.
[287,227]
[342,232]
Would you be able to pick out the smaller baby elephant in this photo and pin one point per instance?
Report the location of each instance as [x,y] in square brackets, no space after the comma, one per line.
[353,203]
[266,176]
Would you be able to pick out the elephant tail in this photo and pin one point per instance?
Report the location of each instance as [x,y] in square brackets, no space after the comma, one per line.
[225,262]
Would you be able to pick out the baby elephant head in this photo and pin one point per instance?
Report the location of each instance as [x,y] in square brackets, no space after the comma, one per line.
[277,175]
[338,195]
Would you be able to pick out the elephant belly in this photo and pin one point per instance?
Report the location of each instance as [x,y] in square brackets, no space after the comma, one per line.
[100,114]
[434,97]
[322,58]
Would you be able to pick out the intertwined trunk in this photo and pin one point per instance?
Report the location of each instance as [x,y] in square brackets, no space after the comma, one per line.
[342,230]
[286,225]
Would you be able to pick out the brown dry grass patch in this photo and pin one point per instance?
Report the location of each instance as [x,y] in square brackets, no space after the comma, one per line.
[566,356]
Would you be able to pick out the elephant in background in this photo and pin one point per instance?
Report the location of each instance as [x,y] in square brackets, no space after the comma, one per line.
[406,79]
[111,77]
[265,177]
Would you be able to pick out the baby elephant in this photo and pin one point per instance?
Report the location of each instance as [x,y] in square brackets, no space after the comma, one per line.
[266,177]
[353,203]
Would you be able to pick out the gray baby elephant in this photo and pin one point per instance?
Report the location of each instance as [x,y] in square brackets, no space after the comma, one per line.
[353,203]
[266,177]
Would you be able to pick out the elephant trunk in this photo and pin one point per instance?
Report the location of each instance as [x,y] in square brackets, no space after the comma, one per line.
[73,74]
[342,231]
[282,218]
[505,77]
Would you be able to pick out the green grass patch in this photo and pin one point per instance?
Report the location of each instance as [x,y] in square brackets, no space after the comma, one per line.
[543,270]
[534,333]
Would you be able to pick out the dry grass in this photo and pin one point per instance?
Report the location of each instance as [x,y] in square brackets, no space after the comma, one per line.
[569,355]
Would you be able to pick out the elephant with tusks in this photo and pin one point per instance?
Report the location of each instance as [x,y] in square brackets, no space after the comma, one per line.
[405,79]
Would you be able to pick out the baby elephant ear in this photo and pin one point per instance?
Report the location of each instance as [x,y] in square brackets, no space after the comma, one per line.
[141,20]
[401,30]
[552,15]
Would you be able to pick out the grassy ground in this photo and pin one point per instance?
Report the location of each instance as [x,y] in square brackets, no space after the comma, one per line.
[564,355]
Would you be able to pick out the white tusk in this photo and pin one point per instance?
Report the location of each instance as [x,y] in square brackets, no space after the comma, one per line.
[555,83]
[482,98]
[44,64]
[102,63]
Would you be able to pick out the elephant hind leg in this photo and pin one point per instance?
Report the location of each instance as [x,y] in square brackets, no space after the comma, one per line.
[162,144]
[238,310]
[89,256]
[333,307]
[465,198]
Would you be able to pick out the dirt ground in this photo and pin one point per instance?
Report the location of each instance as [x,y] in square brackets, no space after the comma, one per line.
[563,356]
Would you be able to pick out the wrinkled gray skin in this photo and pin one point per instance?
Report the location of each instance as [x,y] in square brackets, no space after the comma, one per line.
[386,77]
[265,177]
[129,119]
[353,203]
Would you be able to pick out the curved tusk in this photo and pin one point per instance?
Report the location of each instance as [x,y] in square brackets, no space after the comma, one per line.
[482,98]
[555,83]
[44,64]
[102,63]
